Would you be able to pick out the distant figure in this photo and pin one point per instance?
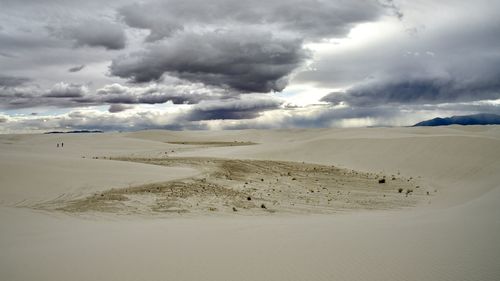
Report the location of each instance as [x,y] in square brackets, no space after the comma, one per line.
[57,144]
[62,144]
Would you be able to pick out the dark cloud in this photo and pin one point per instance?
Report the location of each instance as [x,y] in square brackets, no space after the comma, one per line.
[233,109]
[11,81]
[114,108]
[245,46]
[310,18]
[76,68]
[94,33]
[3,119]
[417,91]
[153,94]
[251,62]
[64,90]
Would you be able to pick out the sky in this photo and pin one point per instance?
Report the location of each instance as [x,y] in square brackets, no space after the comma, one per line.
[121,65]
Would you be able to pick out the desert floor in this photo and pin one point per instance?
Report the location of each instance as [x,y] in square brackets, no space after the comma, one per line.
[312,204]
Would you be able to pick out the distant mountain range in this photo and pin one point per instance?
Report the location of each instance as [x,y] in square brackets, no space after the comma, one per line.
[75,132]
[475,119]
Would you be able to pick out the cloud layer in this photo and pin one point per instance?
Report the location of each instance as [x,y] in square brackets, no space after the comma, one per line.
[245,46]
[443,61]
[429,90]
[255,62]
[310,19]
[64,95]
[224,64]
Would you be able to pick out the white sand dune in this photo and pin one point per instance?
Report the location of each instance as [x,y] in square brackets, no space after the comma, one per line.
[453,235]
[33,168]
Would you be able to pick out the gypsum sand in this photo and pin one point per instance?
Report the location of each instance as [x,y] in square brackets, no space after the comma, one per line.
[249,187]
[213,143]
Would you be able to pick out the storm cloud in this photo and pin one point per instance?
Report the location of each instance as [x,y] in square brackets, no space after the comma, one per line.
[246,62]
[245,46]
[417,91]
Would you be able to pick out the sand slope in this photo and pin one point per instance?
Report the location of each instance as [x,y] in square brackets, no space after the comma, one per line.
[33,169]
[452,237]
